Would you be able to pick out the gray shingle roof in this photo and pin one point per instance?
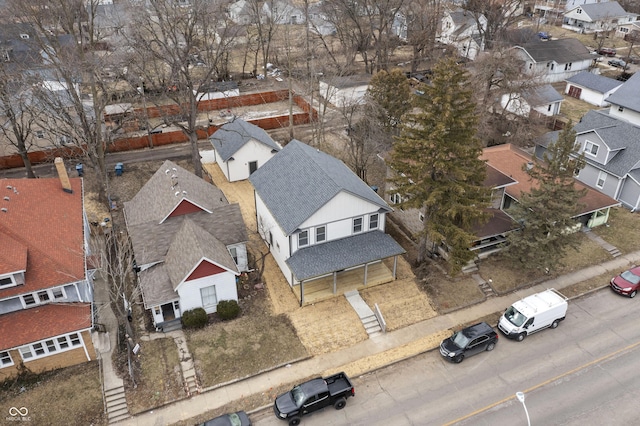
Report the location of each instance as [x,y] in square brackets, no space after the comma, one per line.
[156,287]
[299,180]
[157,198]
[562,51]
[542,95]
[232,136]
[190,244]
[618,135]
[321,259]
[151,240]
[595,82]
[628,95]
[606,10]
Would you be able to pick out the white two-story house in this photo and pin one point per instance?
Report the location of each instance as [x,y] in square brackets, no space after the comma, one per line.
[460,29]
[322,223]
[553,61]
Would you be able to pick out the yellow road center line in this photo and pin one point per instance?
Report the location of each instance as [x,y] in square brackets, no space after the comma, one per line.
[539,385]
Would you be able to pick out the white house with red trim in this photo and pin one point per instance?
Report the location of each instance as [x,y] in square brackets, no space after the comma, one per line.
[189,244]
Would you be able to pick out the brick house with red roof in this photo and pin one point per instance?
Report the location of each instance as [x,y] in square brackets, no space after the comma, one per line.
[46,291]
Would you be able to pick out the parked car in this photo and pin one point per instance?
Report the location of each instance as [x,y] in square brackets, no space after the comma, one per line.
[633,59]
[533,313]
[313,395]
[543,35]
[469,341]
[627,283]
[607,51]
[618,63]
[233,419]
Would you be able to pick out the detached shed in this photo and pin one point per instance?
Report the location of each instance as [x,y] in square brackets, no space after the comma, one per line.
[241,148]
[591,88]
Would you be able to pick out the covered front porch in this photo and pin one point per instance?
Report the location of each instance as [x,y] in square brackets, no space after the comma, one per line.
[338,283]
[326,270]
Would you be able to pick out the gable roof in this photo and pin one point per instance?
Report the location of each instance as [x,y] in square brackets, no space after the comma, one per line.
[619,135]
[165,191]
[496,179]
[542,95]
[599,11]
[595,82]
[232,136]
[561,51]
[43,227]
[299,180]
[627,96]
[189,246]
[43,321]
[511,160]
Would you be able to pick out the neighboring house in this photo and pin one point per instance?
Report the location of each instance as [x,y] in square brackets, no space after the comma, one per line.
[460,29]
[241,148]
[46,289]
[625,102]
[552,61]
[400,25]
[544,99]
[189,244]
[318,21]
[597,17]
[282,12]
[555,8]
[593,209]
[322,223]
[591,88]
[488,236]
[241,12]
[345,91]
[630,29]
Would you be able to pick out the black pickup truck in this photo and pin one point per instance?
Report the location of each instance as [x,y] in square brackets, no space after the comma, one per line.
[313,395]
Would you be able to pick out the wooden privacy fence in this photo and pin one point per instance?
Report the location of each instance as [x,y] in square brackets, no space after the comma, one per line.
[127,143]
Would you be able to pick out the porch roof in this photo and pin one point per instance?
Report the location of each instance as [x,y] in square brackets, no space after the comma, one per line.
[322,259]
[156,286]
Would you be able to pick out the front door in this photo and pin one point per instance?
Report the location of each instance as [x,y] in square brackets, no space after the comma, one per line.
[253,166]
[167,312]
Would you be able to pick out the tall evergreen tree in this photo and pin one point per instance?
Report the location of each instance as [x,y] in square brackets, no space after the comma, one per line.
[391,93]
[546,212]
[437,165]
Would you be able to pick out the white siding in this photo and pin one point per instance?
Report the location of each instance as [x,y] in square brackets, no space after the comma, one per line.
[626,114]
[189,291]
[280,247]
[342,206]
[238,168]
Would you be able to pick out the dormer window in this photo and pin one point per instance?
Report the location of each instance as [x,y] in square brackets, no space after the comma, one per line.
[303,238]
[7,282]
[591,148]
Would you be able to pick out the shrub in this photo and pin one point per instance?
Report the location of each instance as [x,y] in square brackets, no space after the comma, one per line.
[228,309]
[195,318]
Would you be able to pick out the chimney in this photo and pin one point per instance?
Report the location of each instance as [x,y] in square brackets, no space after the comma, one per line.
[62,174]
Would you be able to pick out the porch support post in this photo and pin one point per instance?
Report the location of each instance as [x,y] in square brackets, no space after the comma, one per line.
[335,282]
[395,266]
[366,269]
[301,293]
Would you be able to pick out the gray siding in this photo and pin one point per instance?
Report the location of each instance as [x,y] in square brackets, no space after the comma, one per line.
[630,193]
[603,150]
[589,175]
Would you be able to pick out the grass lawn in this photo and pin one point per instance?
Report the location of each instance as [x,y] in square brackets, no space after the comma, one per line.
[71,395]
[622,231]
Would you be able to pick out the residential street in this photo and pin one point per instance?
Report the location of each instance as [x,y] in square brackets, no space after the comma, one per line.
[582,373]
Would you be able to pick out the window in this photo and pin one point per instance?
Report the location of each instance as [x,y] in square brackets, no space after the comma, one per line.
[602,176]
[57,293]
[51,345]
[620,109]
[5,282]
[28,299]
[357,225]
[75,339]
[43,296]
[26,352]
[233,251]
[208,295]
[591,148]
[373,221]
[567,66]
[39,134]
[5,359]
[395,199]
[38,349]
[303,238]
[549,108]
[63,342]
[321,234]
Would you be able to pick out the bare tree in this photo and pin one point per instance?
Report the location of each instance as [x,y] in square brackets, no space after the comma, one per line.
[500,15]
[424,18]
[180,52]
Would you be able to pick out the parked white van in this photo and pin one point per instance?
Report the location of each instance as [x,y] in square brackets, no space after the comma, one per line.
[533,313]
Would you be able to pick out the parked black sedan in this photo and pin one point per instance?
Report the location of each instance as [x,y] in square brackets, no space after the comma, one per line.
[233,419]
[469,341]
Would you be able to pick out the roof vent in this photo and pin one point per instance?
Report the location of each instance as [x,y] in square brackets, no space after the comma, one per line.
[4,209]
[6,198]
[177,193]
[9,187]
[529,165]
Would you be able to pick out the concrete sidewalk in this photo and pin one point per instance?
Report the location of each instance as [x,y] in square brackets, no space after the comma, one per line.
[380,346]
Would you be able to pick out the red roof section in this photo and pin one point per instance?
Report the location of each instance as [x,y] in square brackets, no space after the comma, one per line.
[48,222]
[510,160]
[13,260]
[41,322]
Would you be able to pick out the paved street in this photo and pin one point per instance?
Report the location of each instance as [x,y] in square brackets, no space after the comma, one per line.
[576,374]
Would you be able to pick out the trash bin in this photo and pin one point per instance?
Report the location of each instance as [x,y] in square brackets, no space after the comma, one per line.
[80,169]
[119,169]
